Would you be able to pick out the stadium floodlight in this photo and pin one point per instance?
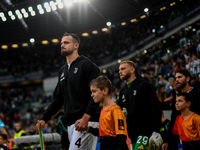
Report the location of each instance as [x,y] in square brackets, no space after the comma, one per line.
[24,44]
[33,13]
[68,3]
[32,40]
[75,1]
[1,14]
[119,61]
[47,7]
[53,6]
[95,32]
[4,19]
[153,30]
[25,15]
[30,8]
[108,23]
[145,51]
[19,16]
[17,12]
[133,20]
[60,4]
[23,10]
[55,41]
[146,10]
[105,29]
[10,13]
[143,16]
[4,47]
[85,34]
[15,46]
[13,17]
[104,70]
[45,42]
[39,6]
[41,11]
[123,23]
[161,26]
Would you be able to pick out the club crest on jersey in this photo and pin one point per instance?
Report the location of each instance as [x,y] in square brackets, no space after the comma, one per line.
[62,77]
[134,92]
[121,124]
[75,70]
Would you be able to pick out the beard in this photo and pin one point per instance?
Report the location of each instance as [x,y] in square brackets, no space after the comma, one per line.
[126,76]
[65,52]
[182,85]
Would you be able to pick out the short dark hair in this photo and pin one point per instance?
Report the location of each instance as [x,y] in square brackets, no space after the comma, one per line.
[4,136]
[74,36]
[101,82]
[131,63]
[187,96]
[186,73]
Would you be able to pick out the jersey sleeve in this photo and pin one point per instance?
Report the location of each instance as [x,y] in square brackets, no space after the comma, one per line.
[175,128]
[197,123]
[120,123]
[56,103]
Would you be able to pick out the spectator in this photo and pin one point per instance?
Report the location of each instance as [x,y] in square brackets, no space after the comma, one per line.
[169,85]
[2,128]
[19,132]
[162,97]
[3,142]
[160,80]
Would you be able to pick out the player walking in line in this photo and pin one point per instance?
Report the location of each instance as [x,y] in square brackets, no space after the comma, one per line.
[139,101]
[112,123]
[72,91]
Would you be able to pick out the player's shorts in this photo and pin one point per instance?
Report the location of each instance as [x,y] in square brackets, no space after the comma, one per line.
[82,140]
[142,143]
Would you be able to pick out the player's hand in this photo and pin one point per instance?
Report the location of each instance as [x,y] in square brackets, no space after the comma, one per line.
[165,146]
[156,139]
[42,123]
[82,124]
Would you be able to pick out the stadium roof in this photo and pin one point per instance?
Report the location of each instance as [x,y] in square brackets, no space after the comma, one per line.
[82,16]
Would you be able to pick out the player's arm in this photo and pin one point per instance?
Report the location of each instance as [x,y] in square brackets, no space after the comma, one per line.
[3,130]
[120,129]
[175,128]
[54,107]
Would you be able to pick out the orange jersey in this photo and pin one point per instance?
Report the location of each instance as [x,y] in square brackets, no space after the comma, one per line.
[112,122]
[188,129]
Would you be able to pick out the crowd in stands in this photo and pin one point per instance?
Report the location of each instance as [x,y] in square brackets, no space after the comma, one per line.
[46,58]
[157,66]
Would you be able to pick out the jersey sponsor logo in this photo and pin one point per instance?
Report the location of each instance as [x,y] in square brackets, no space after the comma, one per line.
[134,92]
[121,124]
[141,147]
[75,70]
[62,77]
